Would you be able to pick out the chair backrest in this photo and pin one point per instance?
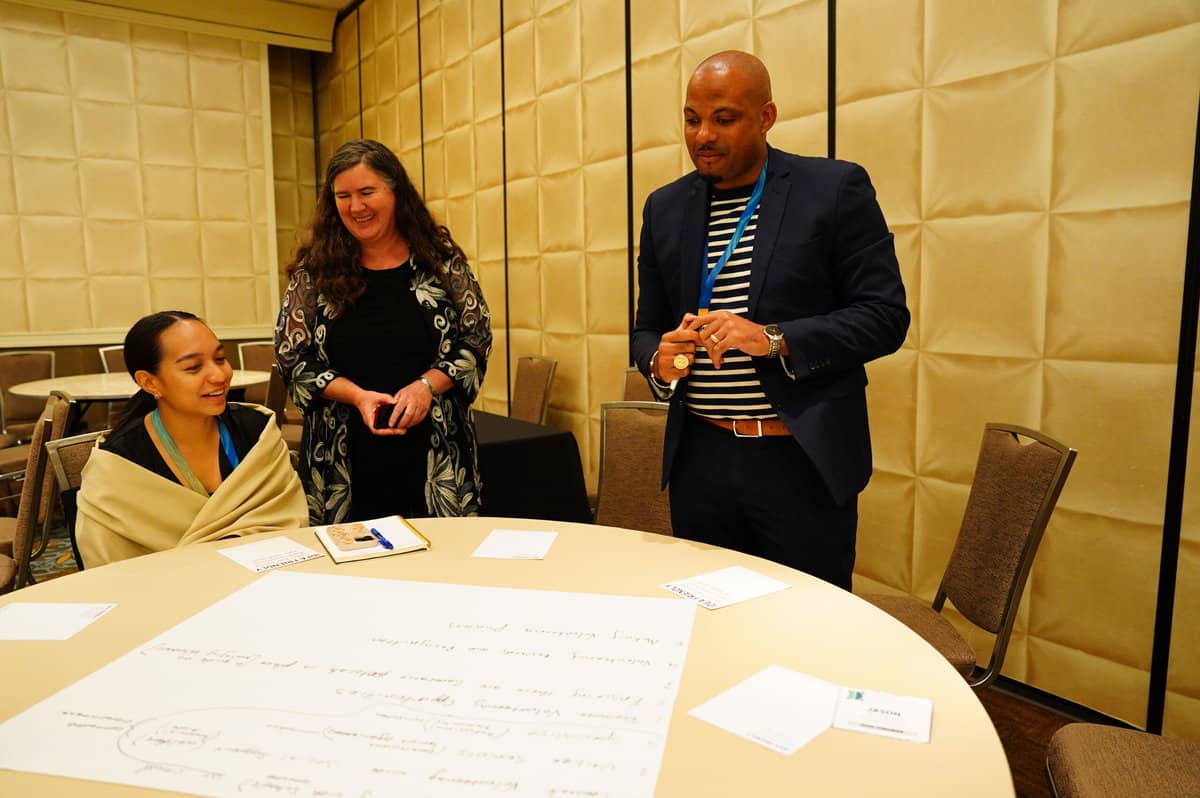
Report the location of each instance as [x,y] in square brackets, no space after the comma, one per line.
[31,495]
[276,396]
[531,388]
[18,367]
[67,457]
[112,358]
[636,387]
[259,356]
[1014,491]
[631,447]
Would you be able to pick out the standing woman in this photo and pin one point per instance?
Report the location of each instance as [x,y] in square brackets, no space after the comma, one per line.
[183,465]
[382,309]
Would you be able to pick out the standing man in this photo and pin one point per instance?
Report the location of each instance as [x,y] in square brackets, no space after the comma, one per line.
[766,281]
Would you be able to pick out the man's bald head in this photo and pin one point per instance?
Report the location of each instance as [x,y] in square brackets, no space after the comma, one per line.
[726,116]
[757,81]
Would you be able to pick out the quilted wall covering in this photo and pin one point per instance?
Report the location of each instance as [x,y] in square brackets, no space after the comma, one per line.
[1034,161]
[132,177]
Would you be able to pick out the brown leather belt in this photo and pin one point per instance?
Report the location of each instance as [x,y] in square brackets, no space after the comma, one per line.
[750,428]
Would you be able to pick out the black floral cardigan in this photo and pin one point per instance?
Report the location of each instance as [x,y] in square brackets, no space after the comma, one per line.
[460,323]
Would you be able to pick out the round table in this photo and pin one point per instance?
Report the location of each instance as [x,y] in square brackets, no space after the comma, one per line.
[811,627]
[112,387]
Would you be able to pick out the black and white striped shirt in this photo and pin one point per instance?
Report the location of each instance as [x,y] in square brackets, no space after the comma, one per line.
[734,390]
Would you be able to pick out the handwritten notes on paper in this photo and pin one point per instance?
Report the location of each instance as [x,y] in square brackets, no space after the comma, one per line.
[311,684]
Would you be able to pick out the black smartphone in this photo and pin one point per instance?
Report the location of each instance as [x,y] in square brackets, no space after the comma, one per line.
[383,414]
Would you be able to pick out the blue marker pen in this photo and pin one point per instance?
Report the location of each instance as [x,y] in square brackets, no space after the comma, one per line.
[387,544]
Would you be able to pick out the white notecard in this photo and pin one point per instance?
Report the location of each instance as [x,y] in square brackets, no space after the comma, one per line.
[717,589]
[32,620]
[515,544]
[872,712]
[778,708]
[263,555]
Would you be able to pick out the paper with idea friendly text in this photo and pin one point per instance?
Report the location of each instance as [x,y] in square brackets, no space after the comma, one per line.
[515,544]
[263,555]
[34,620]
[717,589]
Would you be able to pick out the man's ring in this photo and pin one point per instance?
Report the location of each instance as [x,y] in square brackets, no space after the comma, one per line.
[680,362]
[714,339]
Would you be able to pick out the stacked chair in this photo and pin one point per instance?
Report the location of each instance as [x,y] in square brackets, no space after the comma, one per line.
[34,511]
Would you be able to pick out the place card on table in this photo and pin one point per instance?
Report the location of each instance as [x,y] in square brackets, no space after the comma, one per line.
[717,589]
[515,544]
[263,555]
[778,708]
[34,620]
[873,712]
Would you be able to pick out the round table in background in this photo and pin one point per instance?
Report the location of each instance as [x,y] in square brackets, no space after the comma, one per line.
[112,387]
[811,627]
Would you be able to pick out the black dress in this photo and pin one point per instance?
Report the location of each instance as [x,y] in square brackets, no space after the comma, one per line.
[381,343]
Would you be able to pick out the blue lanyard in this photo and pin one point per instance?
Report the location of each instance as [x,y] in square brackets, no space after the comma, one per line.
[227,445]
[710,279]
[185,470]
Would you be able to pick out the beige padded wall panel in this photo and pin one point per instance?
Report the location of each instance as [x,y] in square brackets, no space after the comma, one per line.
[132,176]
[460,77]
[292,141]
[564,91]
[1036,171]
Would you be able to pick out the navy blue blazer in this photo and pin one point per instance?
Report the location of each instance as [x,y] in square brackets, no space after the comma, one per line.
[824,270]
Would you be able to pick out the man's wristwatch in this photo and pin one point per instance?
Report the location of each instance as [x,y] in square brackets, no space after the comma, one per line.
[774,338]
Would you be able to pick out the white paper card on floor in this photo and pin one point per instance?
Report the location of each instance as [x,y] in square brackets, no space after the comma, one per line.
[308,682]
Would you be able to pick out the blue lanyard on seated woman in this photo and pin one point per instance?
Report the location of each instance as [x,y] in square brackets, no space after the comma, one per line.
[181,464]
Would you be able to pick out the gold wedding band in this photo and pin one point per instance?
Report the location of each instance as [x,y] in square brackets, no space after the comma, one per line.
[680,362]
[714,339]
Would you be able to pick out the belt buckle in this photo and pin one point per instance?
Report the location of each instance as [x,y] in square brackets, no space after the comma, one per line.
[737,434]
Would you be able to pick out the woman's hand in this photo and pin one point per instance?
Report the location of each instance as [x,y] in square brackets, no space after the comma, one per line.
[413,401]
[367,402]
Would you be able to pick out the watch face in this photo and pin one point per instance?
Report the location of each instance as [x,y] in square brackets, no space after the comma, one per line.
[773,331]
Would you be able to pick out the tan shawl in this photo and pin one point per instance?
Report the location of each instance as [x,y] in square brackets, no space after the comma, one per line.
[126,510]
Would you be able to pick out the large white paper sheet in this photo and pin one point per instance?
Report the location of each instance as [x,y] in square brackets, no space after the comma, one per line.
[307,684]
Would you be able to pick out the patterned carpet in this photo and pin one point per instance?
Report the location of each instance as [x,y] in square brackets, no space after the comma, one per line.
[57,560]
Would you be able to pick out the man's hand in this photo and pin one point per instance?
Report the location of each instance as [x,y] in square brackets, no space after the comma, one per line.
[721,331]
[680,344]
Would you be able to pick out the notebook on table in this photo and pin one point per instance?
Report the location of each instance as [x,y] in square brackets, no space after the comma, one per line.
[378,537]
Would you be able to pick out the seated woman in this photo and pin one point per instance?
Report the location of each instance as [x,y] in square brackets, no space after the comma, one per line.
[183,465]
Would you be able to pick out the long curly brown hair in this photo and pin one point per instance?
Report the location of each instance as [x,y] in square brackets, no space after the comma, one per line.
[331,255]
